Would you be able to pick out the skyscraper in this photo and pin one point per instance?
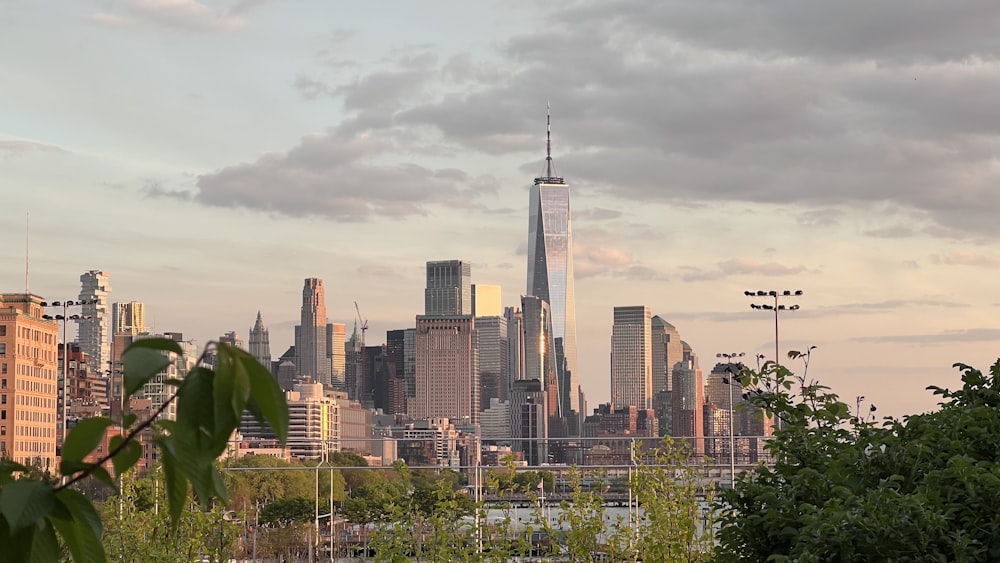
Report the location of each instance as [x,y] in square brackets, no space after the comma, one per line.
[550,269]
[128,318]
[314,361]
[486,300]
[688,396]
[449,288]
[95,321]
[539,351]
[667,351]
[493,357]
[447,367]
[632,358]
[338,354]
[260,343]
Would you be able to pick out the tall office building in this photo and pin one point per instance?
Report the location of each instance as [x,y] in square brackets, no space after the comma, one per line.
[667,351]
[447,367]
[449,288]
[550,269]
[632,358]
[539,351]
[515,344]
[493,358]
[337,333]
[447,377]
[28,381]
[688,395]
[314,361]
[486,300]
[128,318]
[94,335]
[260,343]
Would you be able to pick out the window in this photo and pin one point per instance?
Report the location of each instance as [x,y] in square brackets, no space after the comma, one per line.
[3,348]
[3,330]
[3,369]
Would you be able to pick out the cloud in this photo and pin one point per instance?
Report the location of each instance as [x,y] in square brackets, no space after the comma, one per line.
[596,214]
[945,337]
[19,147]
[153,189]
[821,217]
[962,258]
[589,262]
[894,231]
[339,177]
[813,107]
[739,267]
[378,271]
[109,20]
[180,15]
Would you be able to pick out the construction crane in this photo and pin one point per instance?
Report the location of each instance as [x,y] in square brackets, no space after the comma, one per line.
[359,354]
[364,324]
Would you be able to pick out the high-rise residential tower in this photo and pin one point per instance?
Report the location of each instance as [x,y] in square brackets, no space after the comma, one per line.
[128,318]
[632,358]
[95,318]
[314,361]
[449,288]
[550,269]
[260,343]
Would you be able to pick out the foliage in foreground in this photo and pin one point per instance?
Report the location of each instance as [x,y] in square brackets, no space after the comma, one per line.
[924,488]
[38,515]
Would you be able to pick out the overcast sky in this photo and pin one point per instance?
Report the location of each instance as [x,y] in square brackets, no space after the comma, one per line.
[211,155]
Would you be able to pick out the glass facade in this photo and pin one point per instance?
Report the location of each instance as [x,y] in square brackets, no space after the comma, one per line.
[550,274]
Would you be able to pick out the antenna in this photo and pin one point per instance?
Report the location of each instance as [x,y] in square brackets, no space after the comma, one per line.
[27,217]
[548,139]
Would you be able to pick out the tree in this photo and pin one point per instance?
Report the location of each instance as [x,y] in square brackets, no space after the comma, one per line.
[138,528]
[250,483]
[38,515]
[924,488]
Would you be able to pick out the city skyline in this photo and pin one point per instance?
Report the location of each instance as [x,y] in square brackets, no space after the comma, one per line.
[710,152]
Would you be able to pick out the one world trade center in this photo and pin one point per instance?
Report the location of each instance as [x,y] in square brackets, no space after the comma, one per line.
[550,273]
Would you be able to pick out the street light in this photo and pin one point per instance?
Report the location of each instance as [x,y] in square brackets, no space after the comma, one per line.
[64,317]
[776,307]
[734,378]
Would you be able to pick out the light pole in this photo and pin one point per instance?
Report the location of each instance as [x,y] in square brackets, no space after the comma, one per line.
[776,307]
[64,317]
[732,418]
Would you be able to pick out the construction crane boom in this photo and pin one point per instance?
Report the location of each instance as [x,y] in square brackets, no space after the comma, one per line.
[363,322]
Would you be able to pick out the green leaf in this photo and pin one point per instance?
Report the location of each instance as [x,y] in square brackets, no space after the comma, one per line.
[25,502]
[81,441]
[126,458]
[267,395]
[8,468]
[141,365]
[162,344]
[44,544]
[102,475]
[175,481]
[82,530]
[129,419]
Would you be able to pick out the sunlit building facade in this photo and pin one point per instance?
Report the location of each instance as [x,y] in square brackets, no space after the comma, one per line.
[550,271]
[632,358]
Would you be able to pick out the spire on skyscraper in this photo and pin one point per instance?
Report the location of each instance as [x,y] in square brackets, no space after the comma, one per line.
[549,177]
